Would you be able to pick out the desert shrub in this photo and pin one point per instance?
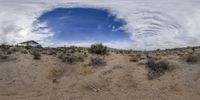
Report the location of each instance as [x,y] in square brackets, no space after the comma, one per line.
[97,61]
[3,57]
[72,59]
[98,49]
[36,55]
[85,54]
[142,62]
[24,51]
[85,70]
[192,58]
[157,69]
[52,52]
[4,47]
[154,57]
[9,52]
[55,73]
[60,55]
[134,59]
[80,58]
[14,49]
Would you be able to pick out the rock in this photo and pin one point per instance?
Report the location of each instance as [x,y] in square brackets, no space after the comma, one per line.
[92,88]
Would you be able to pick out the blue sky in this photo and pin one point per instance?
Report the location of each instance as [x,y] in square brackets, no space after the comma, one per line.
[84,24]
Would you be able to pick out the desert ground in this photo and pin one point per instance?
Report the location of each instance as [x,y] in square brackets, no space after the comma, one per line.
[73,73]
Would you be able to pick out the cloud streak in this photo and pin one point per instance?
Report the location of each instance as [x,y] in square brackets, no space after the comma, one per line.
[151,24]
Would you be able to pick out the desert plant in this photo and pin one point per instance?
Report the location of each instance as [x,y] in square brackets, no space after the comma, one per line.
[134,59]
[85,70]
[142,62]
[4,47]
[55,73]
[3,57]
[99,49]
[9,52]
[14,49]
[72,59]
[97,61]
[36,55]
[52,52]
[192,58]
[24,51]
[157,69]
[60,55]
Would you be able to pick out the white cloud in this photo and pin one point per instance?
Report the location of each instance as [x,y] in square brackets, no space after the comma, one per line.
[114,44]
[151,24]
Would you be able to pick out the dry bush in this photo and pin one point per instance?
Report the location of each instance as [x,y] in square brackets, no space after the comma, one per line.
[4,47]
[193,58]
[36,55]
[14,49]
[134,59]
[60,55]
[85,70]
[137,56]
[3,57]
[97,61]
[72,59]
[24,51]
[98,49]
[158,68]
[51,52]
[9,52]
[55,73]
[142,62]
[154,57]
[85,54]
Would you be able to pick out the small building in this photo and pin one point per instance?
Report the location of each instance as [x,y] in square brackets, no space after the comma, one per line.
[31,43]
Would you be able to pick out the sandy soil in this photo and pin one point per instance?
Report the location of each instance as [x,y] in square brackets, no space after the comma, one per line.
[22,78]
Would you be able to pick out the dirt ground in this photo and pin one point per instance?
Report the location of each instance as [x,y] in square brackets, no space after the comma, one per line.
[23,78]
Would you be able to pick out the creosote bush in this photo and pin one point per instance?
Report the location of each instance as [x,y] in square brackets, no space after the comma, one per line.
[24,51]
[134,59]
[4,47]
[3,57]
[99,49]
[55,73]
[157,69]
[97,61]
[193,58]
[36,55]
[85,70]
[72,59]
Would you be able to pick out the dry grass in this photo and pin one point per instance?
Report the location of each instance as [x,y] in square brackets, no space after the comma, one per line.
[142,62]
[36,55]
[158,68]
[134,59]
[86,70]
[24,51]
[55,73]
[193,58]
[97,62]
[72,59]
[3,57]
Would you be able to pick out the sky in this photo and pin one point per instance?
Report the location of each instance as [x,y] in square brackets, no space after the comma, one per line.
[123,24]
[84,24]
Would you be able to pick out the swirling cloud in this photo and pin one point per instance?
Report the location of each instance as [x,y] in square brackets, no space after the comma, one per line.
[151,24]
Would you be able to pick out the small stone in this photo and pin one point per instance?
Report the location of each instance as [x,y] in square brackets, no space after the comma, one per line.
[92,88]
